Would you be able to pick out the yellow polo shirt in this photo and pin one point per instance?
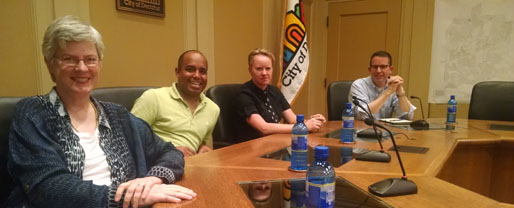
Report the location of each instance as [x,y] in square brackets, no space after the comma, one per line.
[172,119]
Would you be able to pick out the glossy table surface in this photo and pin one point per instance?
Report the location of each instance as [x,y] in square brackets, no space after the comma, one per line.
[214,176]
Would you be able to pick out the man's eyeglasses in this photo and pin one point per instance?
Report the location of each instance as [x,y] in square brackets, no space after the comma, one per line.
[69,61]
[376,67]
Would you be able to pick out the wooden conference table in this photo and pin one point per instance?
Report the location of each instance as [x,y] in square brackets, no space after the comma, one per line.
[472,166]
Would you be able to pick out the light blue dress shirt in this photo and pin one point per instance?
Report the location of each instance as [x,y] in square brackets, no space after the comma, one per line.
[366,90]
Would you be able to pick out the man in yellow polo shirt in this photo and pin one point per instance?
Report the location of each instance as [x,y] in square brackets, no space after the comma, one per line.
[182,114]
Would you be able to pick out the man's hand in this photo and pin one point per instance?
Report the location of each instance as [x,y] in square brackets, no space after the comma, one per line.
[136,190]
[399,91]
[167,193]
[394,84]
[186,151]
[204,148]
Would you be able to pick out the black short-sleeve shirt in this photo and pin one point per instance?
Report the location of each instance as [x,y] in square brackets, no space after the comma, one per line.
[252,100]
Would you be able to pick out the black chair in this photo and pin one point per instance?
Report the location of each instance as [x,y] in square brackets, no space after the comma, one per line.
[125,96]
[6,113]
[224,96]
[492,100]
[337,96]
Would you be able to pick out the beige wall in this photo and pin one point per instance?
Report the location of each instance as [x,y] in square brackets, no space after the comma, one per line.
[139,49]
[143,50]
[415,49]
[18,75]
[236,32]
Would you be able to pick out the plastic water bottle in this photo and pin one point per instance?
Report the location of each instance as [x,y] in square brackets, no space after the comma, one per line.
[347,130]
[451,113]
[299,145]
[320,180]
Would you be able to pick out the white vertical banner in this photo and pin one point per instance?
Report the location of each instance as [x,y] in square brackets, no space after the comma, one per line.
[295,54]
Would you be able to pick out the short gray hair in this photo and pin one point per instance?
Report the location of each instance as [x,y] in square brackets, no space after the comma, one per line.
[66,29]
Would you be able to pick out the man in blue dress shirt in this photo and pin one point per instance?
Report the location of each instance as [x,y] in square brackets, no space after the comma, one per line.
[383,93]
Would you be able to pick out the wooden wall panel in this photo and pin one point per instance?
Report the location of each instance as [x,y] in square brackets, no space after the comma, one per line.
[484,167]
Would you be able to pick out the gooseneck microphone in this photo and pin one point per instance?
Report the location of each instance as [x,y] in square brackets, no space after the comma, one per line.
[420,104]
[392,186]
[355,101]
[375,156]
[420,124]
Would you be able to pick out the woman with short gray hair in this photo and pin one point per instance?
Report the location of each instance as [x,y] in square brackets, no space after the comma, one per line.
[67,148]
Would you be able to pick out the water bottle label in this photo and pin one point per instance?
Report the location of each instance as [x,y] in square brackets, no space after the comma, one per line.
[321,195]
[450,118]
[299,154]
[299,159]
[348,123]
[452,109]
[347,135]
[452,112]
[299,142]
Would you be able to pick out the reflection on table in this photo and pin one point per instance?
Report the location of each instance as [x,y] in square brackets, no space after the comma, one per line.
[338,155]
[283,193]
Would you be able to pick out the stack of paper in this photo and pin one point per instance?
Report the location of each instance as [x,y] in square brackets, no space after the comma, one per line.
[395,121]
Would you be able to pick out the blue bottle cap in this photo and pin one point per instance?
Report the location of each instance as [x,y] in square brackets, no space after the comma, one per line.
[452,96]
[348,105]
[299,118]
[321,152]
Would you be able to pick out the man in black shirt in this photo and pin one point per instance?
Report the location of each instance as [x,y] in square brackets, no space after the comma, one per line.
[261,106]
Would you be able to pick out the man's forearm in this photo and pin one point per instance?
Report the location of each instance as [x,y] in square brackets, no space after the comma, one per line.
[404,103]
[376,104]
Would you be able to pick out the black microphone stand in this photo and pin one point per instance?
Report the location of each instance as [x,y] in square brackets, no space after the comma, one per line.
[392,186]
[375,156]
[420,124]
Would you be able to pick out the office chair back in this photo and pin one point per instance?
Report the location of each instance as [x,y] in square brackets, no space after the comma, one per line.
[337,96]
[125,96]
[492,100]
[6,113]
[224,96]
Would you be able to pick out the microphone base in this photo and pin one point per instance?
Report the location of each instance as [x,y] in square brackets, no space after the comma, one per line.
[374,156]
[420,125]
[393,187]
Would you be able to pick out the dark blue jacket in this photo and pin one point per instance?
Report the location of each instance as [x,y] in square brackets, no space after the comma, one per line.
[46,164]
